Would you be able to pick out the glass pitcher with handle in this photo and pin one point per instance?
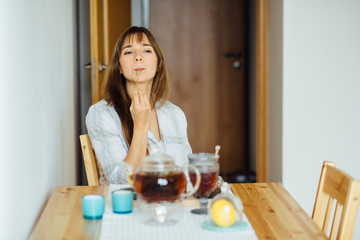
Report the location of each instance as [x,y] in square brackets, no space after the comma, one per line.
[161,186]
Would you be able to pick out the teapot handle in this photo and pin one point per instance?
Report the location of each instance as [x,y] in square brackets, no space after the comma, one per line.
[197,183]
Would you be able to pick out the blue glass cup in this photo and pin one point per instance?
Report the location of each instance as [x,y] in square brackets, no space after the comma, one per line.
[93,206]
[122,201]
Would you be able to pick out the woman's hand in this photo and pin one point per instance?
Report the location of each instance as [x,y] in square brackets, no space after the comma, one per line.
[140,110]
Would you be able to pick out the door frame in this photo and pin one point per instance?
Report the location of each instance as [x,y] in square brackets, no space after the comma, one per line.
[262,90]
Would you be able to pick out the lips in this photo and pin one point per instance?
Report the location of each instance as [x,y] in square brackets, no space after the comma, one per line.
[139,69]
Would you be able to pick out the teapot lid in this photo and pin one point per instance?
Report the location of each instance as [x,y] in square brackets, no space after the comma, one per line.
[159,162]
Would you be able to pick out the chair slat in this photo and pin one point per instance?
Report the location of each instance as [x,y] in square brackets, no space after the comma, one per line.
[336,219]
[90,162]
[328,214]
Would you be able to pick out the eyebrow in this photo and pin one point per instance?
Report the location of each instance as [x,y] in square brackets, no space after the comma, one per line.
[145,45]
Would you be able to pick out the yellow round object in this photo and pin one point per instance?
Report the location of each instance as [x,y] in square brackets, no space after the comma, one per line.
[223,213]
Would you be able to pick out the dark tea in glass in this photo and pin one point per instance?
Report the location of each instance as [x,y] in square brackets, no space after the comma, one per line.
[207,183]
[155,187]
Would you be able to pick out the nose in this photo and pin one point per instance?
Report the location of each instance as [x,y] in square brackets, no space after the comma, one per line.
[138,56]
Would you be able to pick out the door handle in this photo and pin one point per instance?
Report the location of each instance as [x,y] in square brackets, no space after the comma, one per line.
[102,66]
[87,66]
[235,54]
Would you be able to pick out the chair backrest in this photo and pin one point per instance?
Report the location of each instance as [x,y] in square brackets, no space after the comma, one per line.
[91,167]
[336,185]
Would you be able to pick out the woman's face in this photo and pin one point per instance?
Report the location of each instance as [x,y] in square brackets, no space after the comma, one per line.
[138,60]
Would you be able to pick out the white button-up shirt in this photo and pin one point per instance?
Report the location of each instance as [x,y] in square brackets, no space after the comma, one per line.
[108,141]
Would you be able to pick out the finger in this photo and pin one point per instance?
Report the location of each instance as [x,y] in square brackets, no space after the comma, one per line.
[136,97]
[144,101]
[138,90]
[147,102]
[141,97]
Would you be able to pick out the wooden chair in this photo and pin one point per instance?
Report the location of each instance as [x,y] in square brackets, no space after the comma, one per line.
[336,185]
[91,167]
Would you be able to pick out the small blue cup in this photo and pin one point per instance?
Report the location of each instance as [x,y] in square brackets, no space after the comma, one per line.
[122,201]
[93,206]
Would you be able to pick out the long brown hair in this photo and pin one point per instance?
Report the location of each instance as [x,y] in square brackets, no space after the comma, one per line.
[114,88]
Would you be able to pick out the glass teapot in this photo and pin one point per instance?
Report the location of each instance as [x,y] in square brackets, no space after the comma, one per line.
[161,186]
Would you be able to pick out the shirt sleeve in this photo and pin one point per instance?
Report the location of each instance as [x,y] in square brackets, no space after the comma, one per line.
[108,142]
[188,148]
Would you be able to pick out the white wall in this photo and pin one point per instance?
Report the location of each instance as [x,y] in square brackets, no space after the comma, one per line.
[37,108]
[321,93]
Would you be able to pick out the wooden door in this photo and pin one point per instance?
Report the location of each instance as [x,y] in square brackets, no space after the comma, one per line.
[198,39]
[108,19]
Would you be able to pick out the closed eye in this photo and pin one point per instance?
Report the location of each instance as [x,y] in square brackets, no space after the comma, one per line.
[127,52]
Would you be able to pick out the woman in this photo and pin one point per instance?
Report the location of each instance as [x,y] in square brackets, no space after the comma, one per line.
[134,118]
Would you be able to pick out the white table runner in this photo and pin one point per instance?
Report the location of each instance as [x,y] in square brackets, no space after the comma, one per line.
[129,226]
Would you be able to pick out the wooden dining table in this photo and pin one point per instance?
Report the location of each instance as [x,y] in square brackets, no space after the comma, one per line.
[271,210]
